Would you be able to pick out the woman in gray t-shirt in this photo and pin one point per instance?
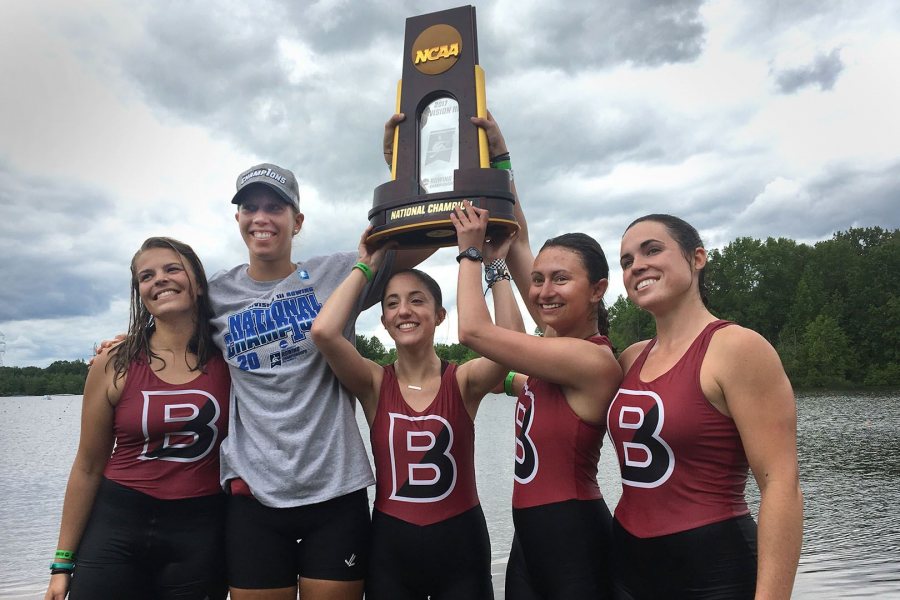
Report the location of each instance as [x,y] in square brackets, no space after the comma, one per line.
[294,462]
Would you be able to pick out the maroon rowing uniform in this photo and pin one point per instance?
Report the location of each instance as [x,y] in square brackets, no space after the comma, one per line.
[682,461]
[168,435]
[556,451]
[424,461]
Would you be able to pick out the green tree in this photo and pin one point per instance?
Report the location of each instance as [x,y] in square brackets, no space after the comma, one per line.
[455,353]
[370,347]
[629,324]
[754,283]
[826,357]
[885,371]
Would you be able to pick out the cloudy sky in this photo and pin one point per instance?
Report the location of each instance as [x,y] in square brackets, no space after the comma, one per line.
[125,119]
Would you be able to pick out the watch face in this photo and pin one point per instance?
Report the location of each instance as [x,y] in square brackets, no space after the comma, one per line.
[471,253]
[490,273]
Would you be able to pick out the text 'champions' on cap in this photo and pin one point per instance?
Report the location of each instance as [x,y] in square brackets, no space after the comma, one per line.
[282,181]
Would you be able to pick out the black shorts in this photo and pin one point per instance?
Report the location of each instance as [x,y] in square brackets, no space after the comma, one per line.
[449,560]
[136,546]
[560,551]
[713,562]
[269,548]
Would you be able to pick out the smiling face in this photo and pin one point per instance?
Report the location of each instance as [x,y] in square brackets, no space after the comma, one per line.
[267,224]
[409,311]
[656,270]
[562,292]
[165,283]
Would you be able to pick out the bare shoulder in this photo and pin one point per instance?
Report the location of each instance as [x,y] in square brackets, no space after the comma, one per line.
[103,363]
[739,354]
[101,378]
[740,343]
[630,354]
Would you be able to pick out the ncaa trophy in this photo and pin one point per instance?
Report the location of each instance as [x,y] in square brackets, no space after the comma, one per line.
[440,158]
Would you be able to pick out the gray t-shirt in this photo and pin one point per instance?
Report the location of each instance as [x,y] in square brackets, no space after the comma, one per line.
[292,433]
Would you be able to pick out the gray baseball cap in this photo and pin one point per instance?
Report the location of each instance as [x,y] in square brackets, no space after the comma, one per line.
[282,181]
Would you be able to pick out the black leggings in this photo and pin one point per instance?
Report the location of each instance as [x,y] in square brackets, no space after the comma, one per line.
[136,547]
[713,562]
[560,551]
[449,560]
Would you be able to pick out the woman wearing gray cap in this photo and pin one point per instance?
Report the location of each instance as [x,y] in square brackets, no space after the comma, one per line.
[294,462]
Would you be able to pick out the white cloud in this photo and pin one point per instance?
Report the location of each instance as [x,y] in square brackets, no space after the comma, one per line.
[122,120]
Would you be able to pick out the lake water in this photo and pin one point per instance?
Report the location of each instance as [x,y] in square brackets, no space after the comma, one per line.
[849,465]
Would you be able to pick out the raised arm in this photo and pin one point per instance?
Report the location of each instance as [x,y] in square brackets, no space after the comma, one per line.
[520,257]
[361,376]
[94,448]
[750,378]
[586,371]
[478,377]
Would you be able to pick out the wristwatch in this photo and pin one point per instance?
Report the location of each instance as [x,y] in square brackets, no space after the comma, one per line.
[495,271]
[472,253]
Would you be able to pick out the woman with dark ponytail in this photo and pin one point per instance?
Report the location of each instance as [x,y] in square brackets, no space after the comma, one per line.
[699,403]
[562,524]
[594,261]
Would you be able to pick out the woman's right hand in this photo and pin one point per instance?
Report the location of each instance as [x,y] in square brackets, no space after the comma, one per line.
[106,346]
[59,587]
[470,223]
[388,140]
[372,255]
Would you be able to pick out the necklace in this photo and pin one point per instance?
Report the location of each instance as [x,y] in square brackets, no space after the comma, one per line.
[418,388]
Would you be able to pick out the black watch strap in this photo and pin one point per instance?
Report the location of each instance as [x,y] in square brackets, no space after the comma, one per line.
[472,253]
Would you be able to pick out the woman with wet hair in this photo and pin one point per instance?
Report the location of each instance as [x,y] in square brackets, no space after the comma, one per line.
[143,515]
[699,403]
[429,537]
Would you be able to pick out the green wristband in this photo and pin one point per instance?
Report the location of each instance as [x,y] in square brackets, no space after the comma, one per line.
[508,384]
[366,270]
[62,566]
[65,554]
[502,164]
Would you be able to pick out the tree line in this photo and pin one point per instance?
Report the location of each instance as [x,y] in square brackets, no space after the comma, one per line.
[832,310]
[61,377]
[373,349]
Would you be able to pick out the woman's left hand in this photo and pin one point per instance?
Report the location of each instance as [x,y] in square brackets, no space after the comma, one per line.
[471,224]
[498,247]
[388,139]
